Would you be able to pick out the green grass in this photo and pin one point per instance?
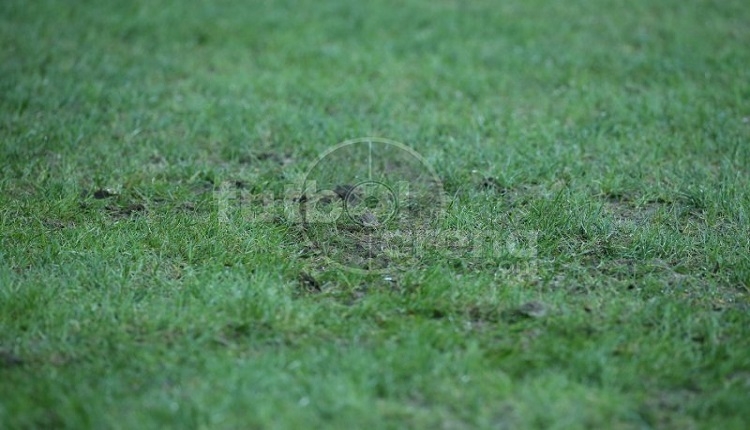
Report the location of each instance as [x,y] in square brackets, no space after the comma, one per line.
[602,147]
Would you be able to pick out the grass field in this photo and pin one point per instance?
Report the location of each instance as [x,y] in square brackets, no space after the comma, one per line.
[601,146]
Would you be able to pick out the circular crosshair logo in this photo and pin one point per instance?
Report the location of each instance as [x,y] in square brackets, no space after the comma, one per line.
[369,205]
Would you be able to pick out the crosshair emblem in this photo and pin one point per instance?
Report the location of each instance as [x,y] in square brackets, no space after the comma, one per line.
[369,204]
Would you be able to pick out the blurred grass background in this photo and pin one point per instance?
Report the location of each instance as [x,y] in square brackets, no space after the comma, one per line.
[617,130]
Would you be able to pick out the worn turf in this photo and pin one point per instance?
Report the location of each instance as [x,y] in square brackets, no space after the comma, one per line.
[591,269]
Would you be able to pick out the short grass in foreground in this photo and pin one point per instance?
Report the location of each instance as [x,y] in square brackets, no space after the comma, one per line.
[607,140]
